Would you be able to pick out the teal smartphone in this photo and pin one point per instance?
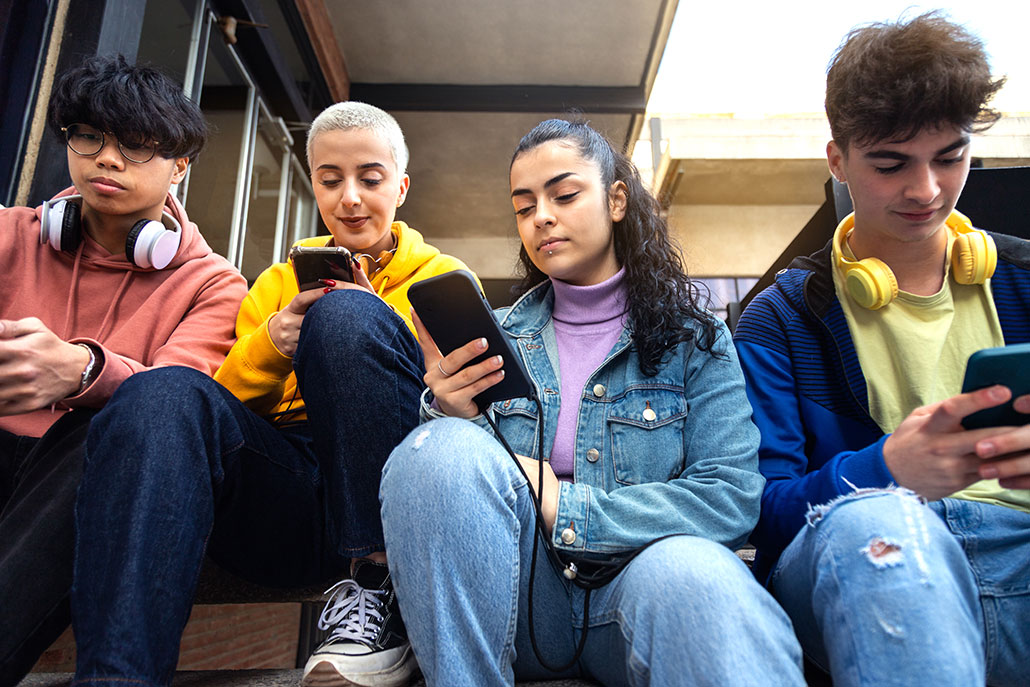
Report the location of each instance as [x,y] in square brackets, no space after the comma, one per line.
[1005,365]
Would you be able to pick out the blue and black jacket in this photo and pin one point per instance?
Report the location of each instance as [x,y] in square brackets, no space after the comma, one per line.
[809,394]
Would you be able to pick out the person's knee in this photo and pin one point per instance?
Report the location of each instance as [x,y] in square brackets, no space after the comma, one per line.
[694,565]
[146,405]
[157,394]
[435,461]
[442,447]
[343,320]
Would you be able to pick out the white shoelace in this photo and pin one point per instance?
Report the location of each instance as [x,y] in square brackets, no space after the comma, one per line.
[353,612]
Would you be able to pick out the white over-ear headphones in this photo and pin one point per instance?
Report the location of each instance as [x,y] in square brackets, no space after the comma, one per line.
[149,243]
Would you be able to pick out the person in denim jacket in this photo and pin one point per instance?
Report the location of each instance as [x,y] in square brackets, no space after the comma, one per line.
[647,433]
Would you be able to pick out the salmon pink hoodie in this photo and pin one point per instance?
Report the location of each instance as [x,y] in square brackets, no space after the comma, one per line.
[139,317]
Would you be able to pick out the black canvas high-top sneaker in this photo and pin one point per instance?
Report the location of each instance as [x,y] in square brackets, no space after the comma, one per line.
[367,645]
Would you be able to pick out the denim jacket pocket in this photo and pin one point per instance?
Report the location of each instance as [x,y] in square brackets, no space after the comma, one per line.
[646,428]
[516,418]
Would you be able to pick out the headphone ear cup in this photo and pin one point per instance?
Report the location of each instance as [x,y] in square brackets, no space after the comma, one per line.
[70,235]
[150,244]
[59,224]
[973,257]
[871,283]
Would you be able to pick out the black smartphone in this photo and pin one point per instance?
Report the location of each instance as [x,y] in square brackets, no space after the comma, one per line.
[455,311]
[1005,365]
[311,263]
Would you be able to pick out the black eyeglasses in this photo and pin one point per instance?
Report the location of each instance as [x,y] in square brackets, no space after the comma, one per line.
[87,141]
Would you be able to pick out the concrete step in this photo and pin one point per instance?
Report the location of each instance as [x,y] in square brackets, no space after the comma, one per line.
[247,678]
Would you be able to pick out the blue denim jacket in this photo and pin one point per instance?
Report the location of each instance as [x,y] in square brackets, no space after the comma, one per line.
[688,467]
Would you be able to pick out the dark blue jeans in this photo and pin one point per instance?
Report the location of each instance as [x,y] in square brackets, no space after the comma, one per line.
[38,479]
[175,464]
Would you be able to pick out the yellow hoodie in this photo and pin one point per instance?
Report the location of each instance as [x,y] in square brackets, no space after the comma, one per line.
[262,377]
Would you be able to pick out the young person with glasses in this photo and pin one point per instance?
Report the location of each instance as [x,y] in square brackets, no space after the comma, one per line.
[107,279]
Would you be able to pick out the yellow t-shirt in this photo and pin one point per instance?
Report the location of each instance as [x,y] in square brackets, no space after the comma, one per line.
[913,352]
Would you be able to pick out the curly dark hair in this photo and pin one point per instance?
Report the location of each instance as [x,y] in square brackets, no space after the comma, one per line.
[889,81]
[133,103]
[661,298]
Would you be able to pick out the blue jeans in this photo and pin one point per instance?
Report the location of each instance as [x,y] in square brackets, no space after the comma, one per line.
[38,479]
[176,465]
[884,590]
[459,526]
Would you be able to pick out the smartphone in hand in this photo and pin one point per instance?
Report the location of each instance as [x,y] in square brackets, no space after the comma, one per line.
[455,311]
[311,263]
[1005,365]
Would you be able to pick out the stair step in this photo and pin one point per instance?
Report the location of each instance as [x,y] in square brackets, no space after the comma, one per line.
[247,678]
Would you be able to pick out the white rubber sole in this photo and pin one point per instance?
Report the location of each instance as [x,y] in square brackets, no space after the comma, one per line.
[326,673]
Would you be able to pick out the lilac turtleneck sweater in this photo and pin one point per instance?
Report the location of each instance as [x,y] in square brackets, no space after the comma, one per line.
[587,322]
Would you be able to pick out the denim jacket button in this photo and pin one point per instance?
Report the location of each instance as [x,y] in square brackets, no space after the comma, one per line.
[568,536]
[599,390]
[649,414]
[593,454]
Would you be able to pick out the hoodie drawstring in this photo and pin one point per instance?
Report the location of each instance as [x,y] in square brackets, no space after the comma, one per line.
[122,288]
[72,292]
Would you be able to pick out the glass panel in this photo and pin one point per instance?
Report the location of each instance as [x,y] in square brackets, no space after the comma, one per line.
[259,249]
[303,221]
[721,291]
[165,38]
[213,178]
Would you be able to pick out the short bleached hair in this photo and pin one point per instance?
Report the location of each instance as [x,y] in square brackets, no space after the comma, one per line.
[354,115]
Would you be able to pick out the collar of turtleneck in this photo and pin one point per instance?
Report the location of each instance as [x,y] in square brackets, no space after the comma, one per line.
[590,304]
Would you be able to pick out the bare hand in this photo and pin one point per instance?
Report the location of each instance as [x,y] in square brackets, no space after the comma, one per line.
[37,368]
[284,327]
[932,454]
[1006,456]
[549,494]
[453,386]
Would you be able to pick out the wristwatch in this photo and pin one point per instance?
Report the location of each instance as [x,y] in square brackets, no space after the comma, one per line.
[87,374]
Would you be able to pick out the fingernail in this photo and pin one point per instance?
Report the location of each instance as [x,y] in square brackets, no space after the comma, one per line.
[986,449]
[481,344]
[997,393]
[498,360]
[500,374]
[988,472]
[327,282]
[326,290]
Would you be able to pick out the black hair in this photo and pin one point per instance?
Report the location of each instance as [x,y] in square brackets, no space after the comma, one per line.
[131,102]
[661,297]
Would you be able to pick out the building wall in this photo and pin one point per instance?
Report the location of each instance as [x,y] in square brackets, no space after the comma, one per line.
[735,240]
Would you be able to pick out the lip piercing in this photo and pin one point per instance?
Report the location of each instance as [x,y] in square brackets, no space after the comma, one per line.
[550,252]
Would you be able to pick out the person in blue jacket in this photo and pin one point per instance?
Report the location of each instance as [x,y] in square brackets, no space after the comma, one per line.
[646,433]
[896,540]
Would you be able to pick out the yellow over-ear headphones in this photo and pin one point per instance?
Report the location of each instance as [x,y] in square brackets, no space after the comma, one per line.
[872,284]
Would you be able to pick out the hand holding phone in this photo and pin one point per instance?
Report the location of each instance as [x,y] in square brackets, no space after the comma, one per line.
[1005,365]
[452,310]
[314,263]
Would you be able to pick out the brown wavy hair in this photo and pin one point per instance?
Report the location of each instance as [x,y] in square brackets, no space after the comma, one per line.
[889,81]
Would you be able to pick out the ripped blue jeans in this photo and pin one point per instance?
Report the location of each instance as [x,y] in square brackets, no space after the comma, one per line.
[886,590]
